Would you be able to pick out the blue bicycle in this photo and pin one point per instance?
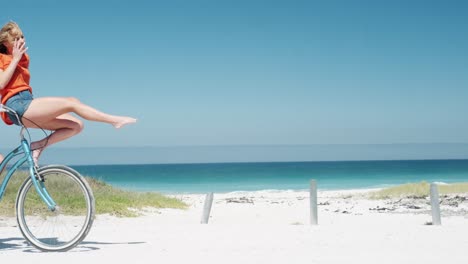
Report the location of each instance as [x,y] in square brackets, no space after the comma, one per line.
[54,206]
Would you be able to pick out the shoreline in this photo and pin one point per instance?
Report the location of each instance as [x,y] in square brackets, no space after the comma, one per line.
[354,189]
[364,189]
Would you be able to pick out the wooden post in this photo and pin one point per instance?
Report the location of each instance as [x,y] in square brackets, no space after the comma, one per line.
[207,208]
[435,205]
[313,202]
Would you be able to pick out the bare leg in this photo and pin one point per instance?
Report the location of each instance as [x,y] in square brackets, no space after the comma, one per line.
[51,113]
[43,110]
[1,159]
[64,126]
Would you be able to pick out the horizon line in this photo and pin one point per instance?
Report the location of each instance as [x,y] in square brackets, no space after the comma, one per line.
[267,145]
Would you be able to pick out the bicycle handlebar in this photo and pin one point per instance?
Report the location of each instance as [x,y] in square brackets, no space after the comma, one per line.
[4,108]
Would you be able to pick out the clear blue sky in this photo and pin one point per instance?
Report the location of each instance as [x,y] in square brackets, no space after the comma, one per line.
[254,72]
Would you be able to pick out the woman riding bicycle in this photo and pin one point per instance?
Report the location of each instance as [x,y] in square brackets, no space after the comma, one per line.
[51,113]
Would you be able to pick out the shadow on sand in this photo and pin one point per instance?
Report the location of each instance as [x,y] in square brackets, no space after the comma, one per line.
[19,243]
[6,243]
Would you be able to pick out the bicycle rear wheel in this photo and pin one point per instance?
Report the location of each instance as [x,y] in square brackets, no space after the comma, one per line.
[68,225]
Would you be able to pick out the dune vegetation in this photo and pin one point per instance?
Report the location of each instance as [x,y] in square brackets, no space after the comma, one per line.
[108,199]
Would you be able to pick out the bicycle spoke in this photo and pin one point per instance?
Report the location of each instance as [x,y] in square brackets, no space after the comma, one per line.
[68,225]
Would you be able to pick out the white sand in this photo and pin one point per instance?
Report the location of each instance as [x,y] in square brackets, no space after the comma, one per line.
[268,227]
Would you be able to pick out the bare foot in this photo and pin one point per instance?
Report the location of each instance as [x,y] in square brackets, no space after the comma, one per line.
[123,120]
[1,160]
[36,153]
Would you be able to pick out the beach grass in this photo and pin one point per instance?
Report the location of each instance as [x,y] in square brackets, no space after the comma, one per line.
[115,201]
[108,199]
[418,190]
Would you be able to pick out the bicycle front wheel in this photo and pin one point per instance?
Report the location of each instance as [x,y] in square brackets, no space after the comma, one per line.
[66,226]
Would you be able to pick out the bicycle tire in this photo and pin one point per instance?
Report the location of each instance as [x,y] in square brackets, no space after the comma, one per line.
[45,229]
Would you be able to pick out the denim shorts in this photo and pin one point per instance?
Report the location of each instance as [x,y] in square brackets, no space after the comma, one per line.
[20,103]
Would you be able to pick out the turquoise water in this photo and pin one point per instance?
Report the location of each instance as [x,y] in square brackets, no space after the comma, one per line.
[227,177]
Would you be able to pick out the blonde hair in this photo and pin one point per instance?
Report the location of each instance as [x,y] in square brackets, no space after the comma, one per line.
[6,34]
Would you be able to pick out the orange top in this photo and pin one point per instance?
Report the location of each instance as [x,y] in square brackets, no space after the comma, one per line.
[19,80]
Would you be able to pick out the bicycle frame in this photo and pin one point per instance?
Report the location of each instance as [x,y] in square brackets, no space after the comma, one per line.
[25,149]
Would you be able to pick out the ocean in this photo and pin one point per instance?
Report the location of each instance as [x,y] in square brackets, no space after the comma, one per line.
[229,177]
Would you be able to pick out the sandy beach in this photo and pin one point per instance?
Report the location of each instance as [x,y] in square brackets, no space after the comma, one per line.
[269,227]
